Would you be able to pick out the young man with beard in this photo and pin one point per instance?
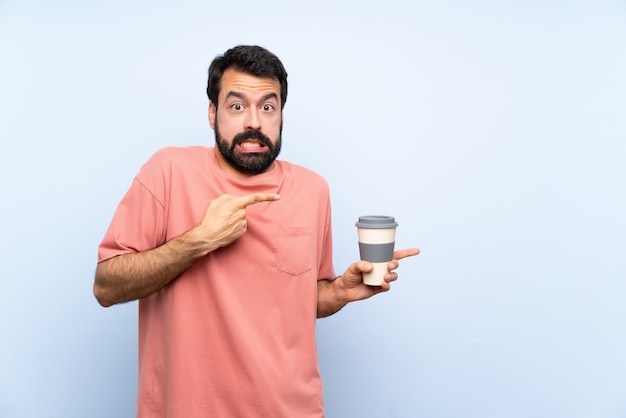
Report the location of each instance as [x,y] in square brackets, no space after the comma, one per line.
[229,252]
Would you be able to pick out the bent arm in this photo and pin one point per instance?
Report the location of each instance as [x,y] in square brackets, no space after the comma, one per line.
[136,275]
[133,276]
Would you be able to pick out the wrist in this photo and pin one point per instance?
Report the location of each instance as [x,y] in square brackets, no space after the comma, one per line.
[339,291]
[195,243]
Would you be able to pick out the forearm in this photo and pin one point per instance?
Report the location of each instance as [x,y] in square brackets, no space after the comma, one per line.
[133,276]
[331,297]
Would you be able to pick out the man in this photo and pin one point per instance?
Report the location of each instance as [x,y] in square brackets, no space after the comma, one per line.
[229,252]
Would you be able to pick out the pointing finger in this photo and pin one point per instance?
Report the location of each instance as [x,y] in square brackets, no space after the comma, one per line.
[400,254]
[256,198]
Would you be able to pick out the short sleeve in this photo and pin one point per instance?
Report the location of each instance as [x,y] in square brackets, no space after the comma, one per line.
[138,222]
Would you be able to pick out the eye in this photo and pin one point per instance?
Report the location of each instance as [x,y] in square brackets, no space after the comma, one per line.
[236,106]
[267,107]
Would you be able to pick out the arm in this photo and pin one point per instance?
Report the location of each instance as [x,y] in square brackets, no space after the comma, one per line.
[133,276]
[332,295]
[136,275]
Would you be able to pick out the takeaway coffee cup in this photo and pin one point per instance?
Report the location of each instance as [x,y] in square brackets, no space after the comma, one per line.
[377,236]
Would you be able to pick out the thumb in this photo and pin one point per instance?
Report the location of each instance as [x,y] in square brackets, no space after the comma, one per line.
[356,269]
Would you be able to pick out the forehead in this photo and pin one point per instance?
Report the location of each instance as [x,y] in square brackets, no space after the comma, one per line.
[240,82]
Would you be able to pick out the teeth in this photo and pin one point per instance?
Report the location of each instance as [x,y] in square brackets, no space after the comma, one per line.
[250,144]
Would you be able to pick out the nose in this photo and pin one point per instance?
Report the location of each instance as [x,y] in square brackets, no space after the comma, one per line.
[253,121]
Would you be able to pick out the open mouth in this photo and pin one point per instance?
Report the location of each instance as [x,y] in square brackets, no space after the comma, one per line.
[251,145]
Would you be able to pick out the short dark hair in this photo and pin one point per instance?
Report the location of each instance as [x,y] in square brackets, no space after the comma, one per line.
[251,59]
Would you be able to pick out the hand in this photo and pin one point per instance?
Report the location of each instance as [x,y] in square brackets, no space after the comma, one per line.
[352,279]
[225,218]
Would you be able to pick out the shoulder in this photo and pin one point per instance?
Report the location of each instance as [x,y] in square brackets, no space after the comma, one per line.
[169,157]
[300,171]
[304,176]
[170,162]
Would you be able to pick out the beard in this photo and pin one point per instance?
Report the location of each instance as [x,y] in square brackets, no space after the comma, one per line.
[249,163]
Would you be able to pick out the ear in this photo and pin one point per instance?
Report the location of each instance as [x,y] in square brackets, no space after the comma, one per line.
[212,114]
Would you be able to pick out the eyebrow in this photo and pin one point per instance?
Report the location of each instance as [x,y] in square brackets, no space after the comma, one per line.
[243,96]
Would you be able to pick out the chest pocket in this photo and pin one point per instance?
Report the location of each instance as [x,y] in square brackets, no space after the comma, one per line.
[296,249]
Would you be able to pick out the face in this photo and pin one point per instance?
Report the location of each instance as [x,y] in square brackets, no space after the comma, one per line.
[247,123]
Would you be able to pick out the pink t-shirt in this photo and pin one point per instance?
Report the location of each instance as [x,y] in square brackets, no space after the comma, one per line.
[233,336]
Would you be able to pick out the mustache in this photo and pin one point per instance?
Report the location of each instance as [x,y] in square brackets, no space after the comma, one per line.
[251,134]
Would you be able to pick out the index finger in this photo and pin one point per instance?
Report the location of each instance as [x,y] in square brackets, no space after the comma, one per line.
[400,254]
[253,198]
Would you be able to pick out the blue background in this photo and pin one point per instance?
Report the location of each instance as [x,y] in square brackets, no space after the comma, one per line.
[493,131]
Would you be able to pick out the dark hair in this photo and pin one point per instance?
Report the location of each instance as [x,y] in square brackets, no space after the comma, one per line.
[251,59]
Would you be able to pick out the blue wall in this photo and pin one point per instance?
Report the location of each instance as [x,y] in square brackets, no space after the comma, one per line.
[495,133]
